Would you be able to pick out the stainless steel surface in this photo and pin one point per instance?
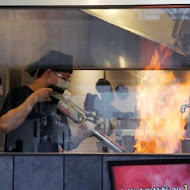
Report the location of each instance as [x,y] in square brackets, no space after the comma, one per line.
[102,45]
[97,38]
[78,115]
[108,141]
[187,133]
[92,2]
[165,26]
[185,146]
[183,107]
[124,132]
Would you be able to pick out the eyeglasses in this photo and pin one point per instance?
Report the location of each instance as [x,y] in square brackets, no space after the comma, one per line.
[62,77]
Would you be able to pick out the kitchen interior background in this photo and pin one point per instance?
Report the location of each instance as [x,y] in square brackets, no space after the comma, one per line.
[100,49]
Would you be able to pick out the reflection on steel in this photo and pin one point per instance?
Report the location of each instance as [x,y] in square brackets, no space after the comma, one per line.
[185,146]
[183,107]
[78,115]
[108,141]
[92,2]
[72,112]
[174,24]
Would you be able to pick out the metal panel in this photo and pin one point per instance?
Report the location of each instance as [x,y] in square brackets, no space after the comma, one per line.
[148,22]
[93,43]
[38,172]
[83,172]
[89,3]
[6,172]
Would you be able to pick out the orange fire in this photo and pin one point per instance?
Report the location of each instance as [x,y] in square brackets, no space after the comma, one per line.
[160,96]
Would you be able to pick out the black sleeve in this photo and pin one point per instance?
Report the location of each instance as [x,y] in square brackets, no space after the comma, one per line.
[14,98]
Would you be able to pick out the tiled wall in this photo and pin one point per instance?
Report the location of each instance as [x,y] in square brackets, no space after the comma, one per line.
[61,171]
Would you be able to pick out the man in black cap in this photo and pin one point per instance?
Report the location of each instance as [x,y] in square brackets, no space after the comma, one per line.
[44,128]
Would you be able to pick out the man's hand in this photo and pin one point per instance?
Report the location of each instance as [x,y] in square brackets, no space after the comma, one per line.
[42,95]
[85,130]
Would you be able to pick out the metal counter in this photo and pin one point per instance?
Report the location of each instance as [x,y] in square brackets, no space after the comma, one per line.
[63,171]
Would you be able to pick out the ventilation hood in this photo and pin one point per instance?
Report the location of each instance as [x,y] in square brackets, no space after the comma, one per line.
[165,26]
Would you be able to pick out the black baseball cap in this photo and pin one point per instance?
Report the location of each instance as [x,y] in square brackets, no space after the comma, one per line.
[54,60]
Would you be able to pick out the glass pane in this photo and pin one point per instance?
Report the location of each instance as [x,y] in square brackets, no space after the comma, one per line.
[129,89]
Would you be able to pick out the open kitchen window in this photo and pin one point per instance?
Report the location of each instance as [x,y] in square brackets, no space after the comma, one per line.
[130,88]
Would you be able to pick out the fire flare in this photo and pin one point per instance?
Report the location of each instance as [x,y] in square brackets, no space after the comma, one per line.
[159,98]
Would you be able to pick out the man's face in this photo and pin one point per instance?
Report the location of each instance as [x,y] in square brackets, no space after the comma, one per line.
[60,76]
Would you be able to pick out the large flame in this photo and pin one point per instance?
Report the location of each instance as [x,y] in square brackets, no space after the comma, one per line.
[159,98]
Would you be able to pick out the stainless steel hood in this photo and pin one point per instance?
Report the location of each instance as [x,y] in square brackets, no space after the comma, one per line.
[97,38]
[165,26]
